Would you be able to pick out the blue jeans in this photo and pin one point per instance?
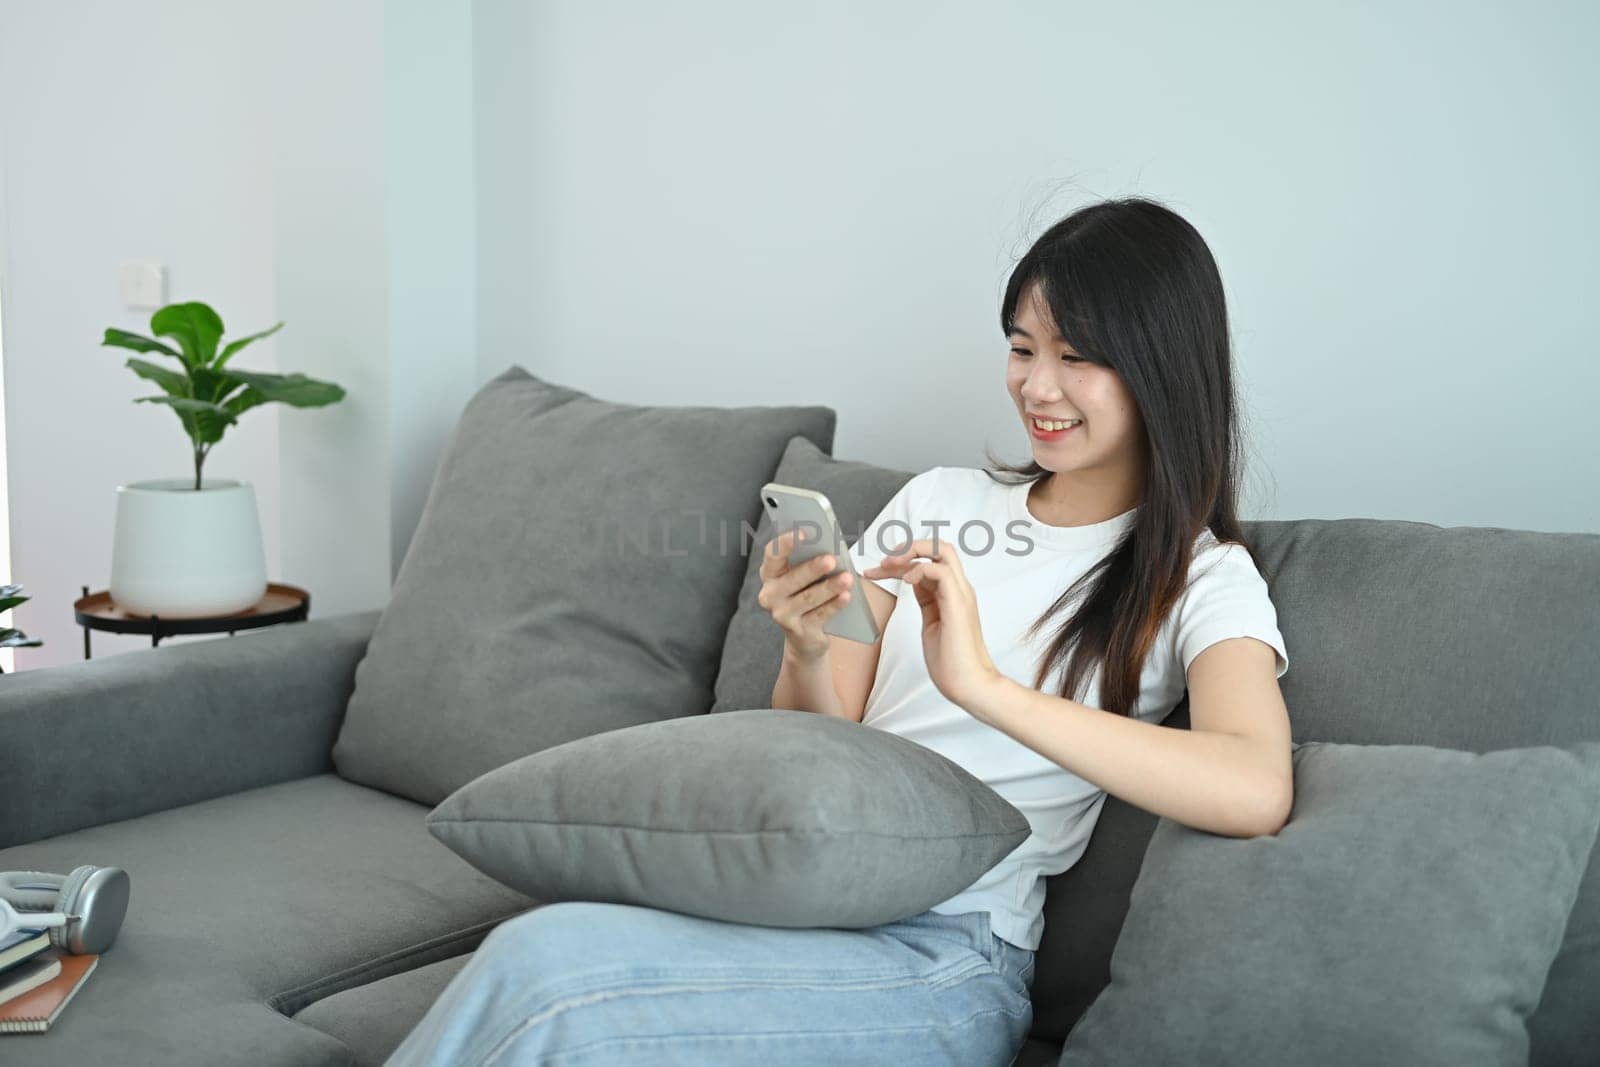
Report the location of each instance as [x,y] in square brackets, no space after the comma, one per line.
[579,982]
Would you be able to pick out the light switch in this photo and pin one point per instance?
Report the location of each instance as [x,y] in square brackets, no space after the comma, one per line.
[142,283]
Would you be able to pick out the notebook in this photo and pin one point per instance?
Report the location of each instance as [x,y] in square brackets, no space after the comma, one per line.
[25,976]
[36,1010]
[22,945]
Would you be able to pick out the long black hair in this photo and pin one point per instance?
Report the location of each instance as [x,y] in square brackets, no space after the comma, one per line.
[1132,286]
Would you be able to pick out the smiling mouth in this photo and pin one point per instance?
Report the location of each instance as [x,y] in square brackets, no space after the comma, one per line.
[1042,434]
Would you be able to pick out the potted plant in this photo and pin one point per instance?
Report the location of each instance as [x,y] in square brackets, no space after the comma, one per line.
[186,547]
[10,597]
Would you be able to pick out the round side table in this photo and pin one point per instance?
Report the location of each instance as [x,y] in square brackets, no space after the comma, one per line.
[280,603]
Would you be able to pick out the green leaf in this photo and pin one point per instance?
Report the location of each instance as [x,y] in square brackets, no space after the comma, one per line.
[206,421]
[174,383]
[182,403]
[246,400]
[196,327]
[209,428]
[17,639]
[233,347]
[294,389]
[137,342]
[9,602]
[212,384]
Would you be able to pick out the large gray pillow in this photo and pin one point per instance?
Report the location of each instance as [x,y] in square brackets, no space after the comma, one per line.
[753,652]
[574,571]
[1407,914]
[768,816]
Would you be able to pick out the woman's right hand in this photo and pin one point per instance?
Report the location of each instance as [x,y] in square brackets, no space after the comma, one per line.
[797,600]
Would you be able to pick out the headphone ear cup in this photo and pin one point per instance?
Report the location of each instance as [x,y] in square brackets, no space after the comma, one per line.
[94,899]
[98,898]
[67,901]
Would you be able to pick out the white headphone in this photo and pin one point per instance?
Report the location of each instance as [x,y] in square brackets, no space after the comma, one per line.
[11,919]
[83,910]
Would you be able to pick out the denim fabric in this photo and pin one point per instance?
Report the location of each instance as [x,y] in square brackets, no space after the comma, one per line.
[586,983]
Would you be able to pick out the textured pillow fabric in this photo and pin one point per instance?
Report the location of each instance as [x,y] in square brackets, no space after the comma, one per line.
[767,816]
[1407,914]
[752,655]
[573,571]
[1503,621]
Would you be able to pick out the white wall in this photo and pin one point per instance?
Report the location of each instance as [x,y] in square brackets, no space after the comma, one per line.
[731,203]
[280,170]
[8,657]
[432,269]
[114,151]
[751,204]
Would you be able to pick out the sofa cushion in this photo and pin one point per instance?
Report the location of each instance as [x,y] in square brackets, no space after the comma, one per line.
[373,1019]
[767,816]
[1407,913]
[1472,638]
[753,652]
[245,909]
[574,571]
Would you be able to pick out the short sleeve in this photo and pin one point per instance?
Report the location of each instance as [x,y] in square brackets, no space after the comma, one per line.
[891,529]
[1226,597]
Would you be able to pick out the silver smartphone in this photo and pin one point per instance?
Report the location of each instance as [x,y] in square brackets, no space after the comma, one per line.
[817,533]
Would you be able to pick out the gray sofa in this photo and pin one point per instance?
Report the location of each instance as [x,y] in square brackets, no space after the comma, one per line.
[283,913]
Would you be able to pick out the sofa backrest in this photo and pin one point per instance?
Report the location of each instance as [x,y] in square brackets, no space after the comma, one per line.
[1474,638]
[574,571]
[752,655]
[1402,633]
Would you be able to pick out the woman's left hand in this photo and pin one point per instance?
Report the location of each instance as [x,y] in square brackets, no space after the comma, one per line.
[952,641]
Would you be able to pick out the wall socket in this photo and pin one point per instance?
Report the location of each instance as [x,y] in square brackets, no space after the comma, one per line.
[142,283]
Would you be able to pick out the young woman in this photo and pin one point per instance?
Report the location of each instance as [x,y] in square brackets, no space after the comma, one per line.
[1039,622]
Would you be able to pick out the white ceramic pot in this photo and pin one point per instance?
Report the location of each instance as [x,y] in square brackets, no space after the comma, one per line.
[181,552]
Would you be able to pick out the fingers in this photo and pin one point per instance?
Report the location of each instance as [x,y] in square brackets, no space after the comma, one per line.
[801,598]
[815,595]
[927,575]
[924,546]
[942,555]
[823,612]
[787,583]
[776,556]
[802,616]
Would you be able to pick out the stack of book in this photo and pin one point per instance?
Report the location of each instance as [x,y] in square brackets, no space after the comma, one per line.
[37,980]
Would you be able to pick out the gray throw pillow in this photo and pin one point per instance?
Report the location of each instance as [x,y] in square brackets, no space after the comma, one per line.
[1407,914]
[573,571]
[768,816]
[753,652]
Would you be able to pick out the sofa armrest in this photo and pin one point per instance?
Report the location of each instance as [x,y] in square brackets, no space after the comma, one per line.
[101,740]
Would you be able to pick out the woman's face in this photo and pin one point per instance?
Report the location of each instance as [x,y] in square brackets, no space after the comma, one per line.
[1047,378]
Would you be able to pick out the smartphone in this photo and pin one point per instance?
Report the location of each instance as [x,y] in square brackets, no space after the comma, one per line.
[810,515]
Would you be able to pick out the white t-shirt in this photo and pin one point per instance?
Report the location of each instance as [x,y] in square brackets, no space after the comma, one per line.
[1017,566]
